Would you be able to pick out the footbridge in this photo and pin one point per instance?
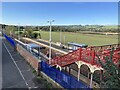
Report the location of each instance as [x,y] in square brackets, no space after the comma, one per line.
[87,56]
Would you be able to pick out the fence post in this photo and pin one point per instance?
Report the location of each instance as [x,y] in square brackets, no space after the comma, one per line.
[69,70]
[39,68]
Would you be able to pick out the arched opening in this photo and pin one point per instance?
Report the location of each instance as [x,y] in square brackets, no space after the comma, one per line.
[97,76]
[57,67]
[73,69]
[105,77]
[85,71]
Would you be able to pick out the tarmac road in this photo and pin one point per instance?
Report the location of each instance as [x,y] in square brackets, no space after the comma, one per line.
[16,73]
[11,76]
[0,62]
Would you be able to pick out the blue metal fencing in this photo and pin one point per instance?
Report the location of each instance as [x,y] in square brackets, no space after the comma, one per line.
[65,80]
[10,40]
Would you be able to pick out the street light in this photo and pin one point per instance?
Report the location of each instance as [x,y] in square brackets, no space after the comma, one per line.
[18,31]
[60,37]
[25,34]
[64,39]
[50,40]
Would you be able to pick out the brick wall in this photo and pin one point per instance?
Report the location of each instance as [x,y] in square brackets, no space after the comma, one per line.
[33,61]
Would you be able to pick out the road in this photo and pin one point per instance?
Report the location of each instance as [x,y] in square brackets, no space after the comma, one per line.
[0,62]
[16,73]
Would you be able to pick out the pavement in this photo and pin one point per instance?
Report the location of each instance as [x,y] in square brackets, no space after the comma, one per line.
[16,73]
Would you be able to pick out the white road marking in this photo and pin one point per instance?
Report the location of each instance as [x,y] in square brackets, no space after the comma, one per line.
[25,70]
[19,61]
[17,66]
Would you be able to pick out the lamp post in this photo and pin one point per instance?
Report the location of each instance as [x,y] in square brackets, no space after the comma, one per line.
[64,39]
[50,40]
[25,34]
[39,39]
[60,37]
[18,31]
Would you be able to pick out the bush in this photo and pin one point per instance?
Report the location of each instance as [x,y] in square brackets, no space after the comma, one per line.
[20,32]
[34,71]
[35,35]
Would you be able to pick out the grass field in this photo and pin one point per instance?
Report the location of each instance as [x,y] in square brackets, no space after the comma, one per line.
[89,39]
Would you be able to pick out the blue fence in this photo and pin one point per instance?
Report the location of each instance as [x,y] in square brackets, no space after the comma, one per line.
[12,42]
[65,80]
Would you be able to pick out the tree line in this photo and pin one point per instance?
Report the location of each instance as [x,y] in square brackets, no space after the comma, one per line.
[21,31]
[27,31]
[71,28]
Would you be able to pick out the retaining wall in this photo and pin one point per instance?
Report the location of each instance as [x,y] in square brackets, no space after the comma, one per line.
[33,61]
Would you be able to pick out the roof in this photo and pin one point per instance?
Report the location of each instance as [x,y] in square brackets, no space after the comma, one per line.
[33,45]
[76,44]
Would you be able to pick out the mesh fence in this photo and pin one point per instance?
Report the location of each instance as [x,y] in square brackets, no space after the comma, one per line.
[64,79]
[12,42]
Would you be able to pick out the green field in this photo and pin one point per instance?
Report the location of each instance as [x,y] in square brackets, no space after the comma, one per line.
[89,39]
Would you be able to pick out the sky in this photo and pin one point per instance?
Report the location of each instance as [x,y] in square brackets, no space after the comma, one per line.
[64,13]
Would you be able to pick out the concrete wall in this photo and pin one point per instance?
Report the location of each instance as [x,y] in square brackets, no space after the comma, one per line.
[33,61]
